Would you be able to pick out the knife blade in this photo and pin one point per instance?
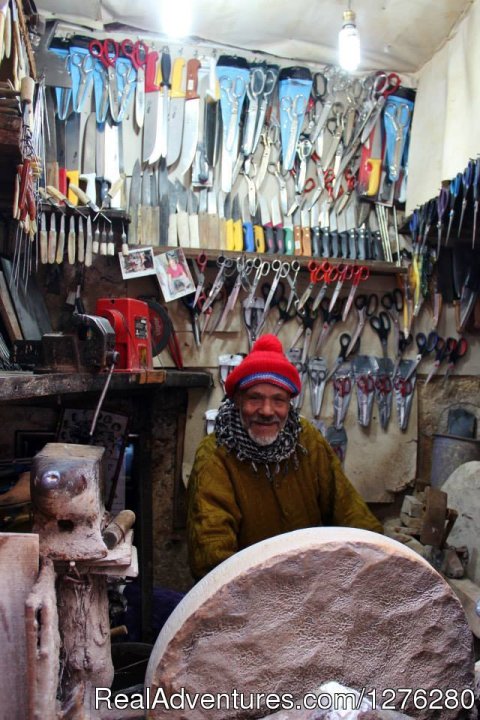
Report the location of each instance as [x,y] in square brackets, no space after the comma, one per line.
[175,112]
[277,222]
[166,66]
[249,239]
[72,147]
[172,215]
[146,209]
[227,209]
[191,117]
[51,144]
[134,201]
[182,215]
[267,225]
[193,219]
[152,96]
[89,156]
[237,225]
[306,234]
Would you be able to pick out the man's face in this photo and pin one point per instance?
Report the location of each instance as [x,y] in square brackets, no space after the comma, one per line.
[263,411]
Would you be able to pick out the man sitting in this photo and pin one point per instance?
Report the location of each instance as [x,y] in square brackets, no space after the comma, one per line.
[264,470]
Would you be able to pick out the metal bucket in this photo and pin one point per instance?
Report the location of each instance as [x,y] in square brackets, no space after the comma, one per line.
[449,452]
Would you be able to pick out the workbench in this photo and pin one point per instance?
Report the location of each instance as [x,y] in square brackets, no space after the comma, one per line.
[144,393]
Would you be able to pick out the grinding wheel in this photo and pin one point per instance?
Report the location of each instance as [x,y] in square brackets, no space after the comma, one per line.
[297,610]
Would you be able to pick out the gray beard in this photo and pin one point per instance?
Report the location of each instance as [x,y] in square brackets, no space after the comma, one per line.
[264,440]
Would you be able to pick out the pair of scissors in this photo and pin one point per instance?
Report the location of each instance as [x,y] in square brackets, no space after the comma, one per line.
[285,313]
[307,318]
[381,324]
[399,115]
[360,273]
[234,88]
[313,268]
[226,269]
[194,308]
[295,108]
[456,353]
[107,52]
[281,270]
[425,345]
[443,350]
[262,268]
[345,340]
[199,270]
[366,306]
[255,88]
[330,317]
[86,65]
[393,303]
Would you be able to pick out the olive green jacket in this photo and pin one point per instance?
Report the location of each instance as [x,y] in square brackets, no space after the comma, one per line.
[230,506]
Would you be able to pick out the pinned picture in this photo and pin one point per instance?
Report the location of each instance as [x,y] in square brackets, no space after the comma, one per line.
[137,263]
[173,274]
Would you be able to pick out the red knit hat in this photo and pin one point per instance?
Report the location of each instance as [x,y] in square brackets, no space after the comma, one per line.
[266,363]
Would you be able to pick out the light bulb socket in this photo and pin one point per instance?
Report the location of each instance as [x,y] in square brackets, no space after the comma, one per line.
[349,17]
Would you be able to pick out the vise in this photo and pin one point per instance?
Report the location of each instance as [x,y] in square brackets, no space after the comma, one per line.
[66,486]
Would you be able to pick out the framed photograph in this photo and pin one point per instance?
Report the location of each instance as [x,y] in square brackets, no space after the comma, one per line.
[137,263]
[173,274]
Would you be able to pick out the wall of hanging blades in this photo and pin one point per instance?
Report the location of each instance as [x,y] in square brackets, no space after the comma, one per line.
[160,162]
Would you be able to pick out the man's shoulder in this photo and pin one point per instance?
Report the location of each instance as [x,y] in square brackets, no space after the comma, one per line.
[309,432]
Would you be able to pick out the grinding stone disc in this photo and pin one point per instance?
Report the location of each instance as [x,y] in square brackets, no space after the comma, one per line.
[297,610]
[463,489]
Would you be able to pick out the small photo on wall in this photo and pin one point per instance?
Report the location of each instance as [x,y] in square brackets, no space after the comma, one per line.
[173,274]
[137,263]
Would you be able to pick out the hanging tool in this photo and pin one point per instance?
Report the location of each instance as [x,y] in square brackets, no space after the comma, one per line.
[442,352]
[467,178]
[455,185]
[381,324]
[425,345]
[457,352]
[442,203]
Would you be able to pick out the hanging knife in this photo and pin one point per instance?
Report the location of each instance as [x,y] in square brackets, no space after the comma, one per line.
[72,160]
[152,99]
[176,111]
[183,229]
[191,116]
[277,222]
[166,66]
[134,201]
[89,156]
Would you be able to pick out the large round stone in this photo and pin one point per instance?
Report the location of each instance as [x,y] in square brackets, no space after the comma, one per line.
[300,609]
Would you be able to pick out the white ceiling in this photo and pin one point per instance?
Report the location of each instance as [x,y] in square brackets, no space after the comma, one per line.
[397,35]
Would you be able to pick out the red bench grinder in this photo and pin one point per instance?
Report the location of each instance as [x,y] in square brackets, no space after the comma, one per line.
[130,320]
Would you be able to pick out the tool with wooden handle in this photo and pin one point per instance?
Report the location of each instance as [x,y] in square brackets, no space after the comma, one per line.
[43,240]
[80,242]
[71,249]
[60,242]
[52,240]
[89,243]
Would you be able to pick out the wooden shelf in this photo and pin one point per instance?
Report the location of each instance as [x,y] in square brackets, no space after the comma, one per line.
[376,267]
[26,385]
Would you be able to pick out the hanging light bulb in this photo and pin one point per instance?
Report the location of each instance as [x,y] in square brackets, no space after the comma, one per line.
[349,42]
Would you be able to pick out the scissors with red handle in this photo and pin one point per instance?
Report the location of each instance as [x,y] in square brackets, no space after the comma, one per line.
[456,353]
[313,267]
[107,52]
[136,52]
[199,269]
[360,273]
[339,274]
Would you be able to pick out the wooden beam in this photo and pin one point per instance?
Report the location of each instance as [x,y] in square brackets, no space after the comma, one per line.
[19,561]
